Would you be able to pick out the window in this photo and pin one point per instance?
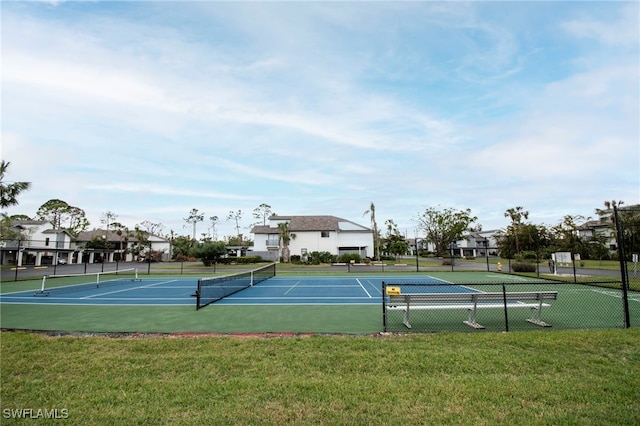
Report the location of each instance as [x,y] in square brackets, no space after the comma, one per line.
[46,242]
[324,234]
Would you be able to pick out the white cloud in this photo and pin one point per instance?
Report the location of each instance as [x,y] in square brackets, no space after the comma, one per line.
[320,109]
[623,30]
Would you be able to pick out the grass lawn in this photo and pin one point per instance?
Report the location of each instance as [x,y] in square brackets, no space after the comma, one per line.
[565,377]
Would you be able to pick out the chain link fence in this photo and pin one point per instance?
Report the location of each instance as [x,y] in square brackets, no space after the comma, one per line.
[562,294]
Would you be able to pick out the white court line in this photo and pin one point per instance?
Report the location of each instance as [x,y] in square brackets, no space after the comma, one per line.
[292,287]
[617,294]
[377,288]
[364,289]
[128,289]
[511,277]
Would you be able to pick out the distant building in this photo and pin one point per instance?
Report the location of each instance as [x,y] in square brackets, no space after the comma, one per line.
[473,244]
[121,247]
[313,233]
[592,229]
[39,243]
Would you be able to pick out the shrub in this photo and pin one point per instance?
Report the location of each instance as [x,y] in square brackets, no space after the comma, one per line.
[316,258]
[240,260]
[523,267]
[183,258]
[348,257]
[527,255]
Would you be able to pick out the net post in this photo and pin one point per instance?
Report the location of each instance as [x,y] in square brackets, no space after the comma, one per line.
[198,294]
[44,279]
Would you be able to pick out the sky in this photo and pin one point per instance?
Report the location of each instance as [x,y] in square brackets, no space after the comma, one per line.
[150,109]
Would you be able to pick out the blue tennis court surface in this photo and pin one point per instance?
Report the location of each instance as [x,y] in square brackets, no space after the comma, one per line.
[275,291]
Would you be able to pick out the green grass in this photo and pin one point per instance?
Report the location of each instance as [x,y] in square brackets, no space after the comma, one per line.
[576,377]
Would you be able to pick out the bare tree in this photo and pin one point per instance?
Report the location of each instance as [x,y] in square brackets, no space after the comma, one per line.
[214,221]
[236,216]
[107,218]
[194,218]
[262,213]
[152,227]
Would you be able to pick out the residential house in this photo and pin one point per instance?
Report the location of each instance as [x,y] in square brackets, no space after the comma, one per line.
[477,244]
[597,228]
[313,233]
[118,246]
[39,244]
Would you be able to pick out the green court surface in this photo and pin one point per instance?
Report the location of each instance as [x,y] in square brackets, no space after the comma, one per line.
[578,307]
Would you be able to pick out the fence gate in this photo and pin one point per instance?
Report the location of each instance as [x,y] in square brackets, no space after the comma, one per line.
[627,224]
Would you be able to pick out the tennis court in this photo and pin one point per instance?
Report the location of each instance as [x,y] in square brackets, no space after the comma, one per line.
[130,289]
[349,303]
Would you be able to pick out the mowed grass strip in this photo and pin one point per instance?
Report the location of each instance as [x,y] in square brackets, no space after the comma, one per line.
[573,377]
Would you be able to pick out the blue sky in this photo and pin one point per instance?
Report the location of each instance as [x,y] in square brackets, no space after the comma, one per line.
[150,109]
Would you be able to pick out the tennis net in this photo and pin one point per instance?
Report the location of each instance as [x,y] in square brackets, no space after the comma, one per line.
[211,290]
[71,282]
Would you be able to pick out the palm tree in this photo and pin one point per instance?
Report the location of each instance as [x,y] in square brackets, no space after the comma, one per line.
[286,236]
[607,212]
[516,215]
[374,226]
[9,192]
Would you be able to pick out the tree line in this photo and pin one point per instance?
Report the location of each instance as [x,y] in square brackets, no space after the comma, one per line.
[439,226]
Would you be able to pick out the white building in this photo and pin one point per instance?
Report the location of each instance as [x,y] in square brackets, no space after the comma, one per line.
[39,243]
[472,244]
[477,244]
[121,246]
[593,229]
[313,233]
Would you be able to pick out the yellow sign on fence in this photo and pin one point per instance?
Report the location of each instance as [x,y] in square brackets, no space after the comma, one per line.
[393,291]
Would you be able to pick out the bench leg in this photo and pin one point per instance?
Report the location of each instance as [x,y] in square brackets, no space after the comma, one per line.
[535,317]
[406,318]
[471,322]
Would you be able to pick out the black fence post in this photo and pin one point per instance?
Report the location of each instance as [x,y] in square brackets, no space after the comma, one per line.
[504,301]
[384,309]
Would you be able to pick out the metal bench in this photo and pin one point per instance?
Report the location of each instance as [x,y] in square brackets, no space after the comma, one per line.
[472,302]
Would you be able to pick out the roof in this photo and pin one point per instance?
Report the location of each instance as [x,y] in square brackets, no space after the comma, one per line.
[29,222]
[112,236]
[311,223]
[476,236]
[591,224]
